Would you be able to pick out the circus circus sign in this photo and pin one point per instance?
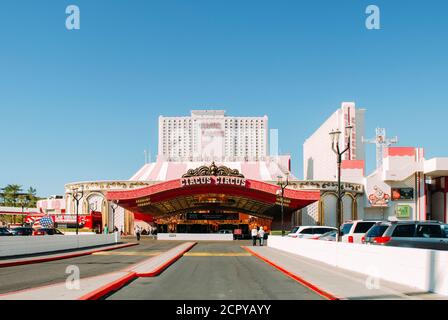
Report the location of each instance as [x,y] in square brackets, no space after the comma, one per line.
[234,181]
[213,174]
[379,198]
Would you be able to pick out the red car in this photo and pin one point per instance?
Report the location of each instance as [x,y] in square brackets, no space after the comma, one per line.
[47,232]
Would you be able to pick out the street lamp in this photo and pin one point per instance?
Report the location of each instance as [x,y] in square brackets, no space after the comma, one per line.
[77,195]
[335,135]
[282,186]
[114,206]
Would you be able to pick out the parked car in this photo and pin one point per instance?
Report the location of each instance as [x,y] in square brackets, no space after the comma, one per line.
[329,236]
[47,231]
[353,231]
[309,232]
[225,231]
[409,234]
[21,231]
[5,232]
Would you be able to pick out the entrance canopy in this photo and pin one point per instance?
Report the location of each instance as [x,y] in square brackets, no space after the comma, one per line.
[213,189]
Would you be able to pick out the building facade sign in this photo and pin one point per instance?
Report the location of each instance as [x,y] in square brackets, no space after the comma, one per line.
[213,175]
[234,181]
[402,194]
[213,216]
[379,198]
[403,211]
[211,142]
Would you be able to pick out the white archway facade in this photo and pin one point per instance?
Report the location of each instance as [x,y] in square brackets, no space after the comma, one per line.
[94,199]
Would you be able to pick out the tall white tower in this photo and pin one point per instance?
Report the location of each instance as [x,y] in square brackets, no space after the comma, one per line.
[319,161]
[210,135]
[381,142]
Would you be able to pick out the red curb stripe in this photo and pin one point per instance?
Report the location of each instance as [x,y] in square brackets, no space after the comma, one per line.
[118,284]
[61,257]
[166,264]
[51,285]
[110,287]
[307,284]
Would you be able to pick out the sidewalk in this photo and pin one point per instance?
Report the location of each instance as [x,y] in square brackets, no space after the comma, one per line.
[59,256]
[340,283]
[89,288]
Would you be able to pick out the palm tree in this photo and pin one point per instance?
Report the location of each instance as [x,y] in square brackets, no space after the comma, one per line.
[10,194]
[31,197]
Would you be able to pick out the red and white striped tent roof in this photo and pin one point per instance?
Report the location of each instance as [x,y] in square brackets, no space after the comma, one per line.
[170,170]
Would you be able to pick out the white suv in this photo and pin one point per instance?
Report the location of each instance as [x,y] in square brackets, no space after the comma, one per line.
[309,232]
[354,231]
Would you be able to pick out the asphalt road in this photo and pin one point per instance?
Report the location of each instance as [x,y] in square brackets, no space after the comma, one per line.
[217,271]
[33,275]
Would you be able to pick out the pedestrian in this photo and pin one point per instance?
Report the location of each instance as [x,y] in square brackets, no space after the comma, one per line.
[261,236]
[137,232]
[106,229]
[254,234]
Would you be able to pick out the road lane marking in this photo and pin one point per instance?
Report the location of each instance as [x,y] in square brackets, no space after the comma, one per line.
[217,254]
[126,253]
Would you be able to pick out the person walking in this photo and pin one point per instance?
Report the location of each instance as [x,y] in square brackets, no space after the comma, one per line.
[137,232]
[106,229]
[254,233]
[261,236]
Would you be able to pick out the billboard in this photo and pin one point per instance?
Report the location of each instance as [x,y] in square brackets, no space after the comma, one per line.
[213,216]
[402,194]
[211,139]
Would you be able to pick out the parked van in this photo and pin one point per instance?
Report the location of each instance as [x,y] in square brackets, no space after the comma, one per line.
[409,234]
[353,231]
[309,232]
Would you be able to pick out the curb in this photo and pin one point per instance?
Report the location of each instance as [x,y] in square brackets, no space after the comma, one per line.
[166,264]
[118,284]
[61,257]
[307,284]
[110,287]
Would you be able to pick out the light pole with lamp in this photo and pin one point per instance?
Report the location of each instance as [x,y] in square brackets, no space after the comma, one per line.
[335,136]
[114,206]
[282,186]
[77,195]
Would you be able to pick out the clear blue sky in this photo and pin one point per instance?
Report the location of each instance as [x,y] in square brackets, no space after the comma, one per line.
[83,105]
